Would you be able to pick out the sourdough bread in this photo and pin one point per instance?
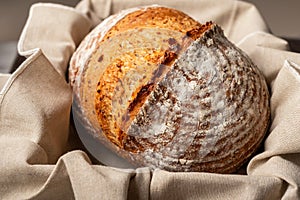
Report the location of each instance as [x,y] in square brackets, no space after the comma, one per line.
[165,91]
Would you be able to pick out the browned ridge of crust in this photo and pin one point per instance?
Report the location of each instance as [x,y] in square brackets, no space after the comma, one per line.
[161,18]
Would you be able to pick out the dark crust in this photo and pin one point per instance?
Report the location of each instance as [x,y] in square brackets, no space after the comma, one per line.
[198,32]
[142,94]
[195,33]
[167,60]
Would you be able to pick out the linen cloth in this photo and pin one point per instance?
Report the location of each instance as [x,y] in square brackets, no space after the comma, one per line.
[41,156]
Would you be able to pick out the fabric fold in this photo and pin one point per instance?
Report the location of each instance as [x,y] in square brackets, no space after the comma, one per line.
[3,80]
[168,185]
[35,108]
[48,21]
[95,10]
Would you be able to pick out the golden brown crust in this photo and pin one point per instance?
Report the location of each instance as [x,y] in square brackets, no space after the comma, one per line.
[156,17]
[172,93]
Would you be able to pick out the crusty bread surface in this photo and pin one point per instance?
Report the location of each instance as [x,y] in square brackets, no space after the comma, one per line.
[165,91]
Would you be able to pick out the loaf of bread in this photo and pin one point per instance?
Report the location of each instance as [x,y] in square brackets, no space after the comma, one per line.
[165,91]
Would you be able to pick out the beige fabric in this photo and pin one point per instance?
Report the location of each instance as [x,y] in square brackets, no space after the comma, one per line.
[49,23]
[41,157]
